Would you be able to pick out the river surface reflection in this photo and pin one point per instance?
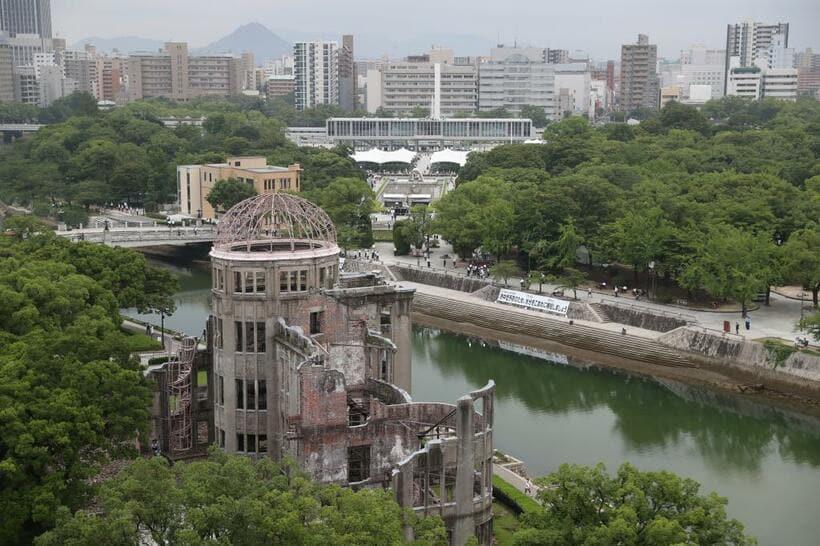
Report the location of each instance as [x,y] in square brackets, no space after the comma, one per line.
[551,409]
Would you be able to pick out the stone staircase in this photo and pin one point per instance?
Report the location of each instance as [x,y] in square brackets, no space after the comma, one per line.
[576,335]
[600,312]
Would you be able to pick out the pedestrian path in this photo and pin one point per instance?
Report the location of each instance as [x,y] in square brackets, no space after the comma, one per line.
[778,320]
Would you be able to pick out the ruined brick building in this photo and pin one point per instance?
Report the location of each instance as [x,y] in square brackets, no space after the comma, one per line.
[305,361]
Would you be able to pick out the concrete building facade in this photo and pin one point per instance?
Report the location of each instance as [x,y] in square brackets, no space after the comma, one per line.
[515,77]
[639,79]
[6,74]
[348,99]
[26,17]
[416,83]
[808,72]
[305,361]
[194,182]
[749,40]
[316,72]
[757,83]
[279,86]
[173,73]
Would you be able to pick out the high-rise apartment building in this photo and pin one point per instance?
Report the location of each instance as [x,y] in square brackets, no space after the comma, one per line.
[639,79]
[749,40]
[316,71]
[702,66]
[111,72]
[347,75]
[173,73]
[26,17]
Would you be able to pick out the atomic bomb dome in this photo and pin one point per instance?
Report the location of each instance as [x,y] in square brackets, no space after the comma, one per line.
[275,222]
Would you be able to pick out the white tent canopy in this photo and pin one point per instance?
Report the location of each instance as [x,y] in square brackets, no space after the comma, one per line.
[449,156]
[380,157]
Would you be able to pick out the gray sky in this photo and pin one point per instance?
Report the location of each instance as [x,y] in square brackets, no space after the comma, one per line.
[597,26]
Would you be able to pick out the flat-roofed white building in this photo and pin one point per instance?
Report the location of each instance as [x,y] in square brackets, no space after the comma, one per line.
[426,134]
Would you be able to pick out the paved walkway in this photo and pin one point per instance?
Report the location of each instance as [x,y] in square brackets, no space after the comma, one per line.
[778,320]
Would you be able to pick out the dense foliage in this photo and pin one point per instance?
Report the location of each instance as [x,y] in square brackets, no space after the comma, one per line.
[226,193]
[233,500]
[728,205]
[90,158]
[585,505]
[70,397]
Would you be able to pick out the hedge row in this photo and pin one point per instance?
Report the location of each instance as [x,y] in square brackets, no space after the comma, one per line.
[510,496]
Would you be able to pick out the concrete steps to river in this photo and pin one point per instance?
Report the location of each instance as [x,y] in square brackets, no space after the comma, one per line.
[600,312]
[576,335]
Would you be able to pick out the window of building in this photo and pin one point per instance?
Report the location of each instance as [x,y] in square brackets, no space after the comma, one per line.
[201,385]
[249,336]
[218,334]
[303,280]
[263,443]
[316,322]
[251,443]
[219,278]
[221,438]
[240,344]
[250,395]
[240,442]
[237,282]
[220,390]
[358,463]
[262,398]
[240,394]
[260,337]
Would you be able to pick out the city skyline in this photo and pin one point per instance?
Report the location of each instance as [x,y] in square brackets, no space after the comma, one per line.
[524,23]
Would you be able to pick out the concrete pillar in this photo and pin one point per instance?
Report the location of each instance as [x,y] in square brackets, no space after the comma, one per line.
[464,526]
[402,336]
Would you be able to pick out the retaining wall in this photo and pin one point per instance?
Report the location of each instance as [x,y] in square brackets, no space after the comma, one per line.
[642,318]
[455,281]
[799,367]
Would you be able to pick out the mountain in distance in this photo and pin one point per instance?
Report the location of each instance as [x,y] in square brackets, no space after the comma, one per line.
[254,37]
[123,44]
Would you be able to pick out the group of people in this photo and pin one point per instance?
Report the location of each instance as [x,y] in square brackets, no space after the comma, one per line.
[370,255]
[479,271]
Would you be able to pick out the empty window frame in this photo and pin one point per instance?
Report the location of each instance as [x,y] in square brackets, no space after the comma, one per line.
[316,319]
[358,463]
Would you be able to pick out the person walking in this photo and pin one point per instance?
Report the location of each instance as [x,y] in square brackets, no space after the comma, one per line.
[748,323]
[527,487]
[589,293]
[737,328]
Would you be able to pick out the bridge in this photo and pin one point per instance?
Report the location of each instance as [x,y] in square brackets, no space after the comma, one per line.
[140,237]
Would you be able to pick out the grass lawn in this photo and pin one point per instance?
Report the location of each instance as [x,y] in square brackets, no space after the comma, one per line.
[505,523]
[136,343]
[383,235]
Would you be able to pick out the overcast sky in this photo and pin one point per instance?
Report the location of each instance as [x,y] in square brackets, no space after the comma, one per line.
[596,26]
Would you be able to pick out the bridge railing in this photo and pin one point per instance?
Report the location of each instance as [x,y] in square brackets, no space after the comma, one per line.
[132,235]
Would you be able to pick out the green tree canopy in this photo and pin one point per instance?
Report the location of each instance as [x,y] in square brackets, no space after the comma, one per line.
[234,500]
[585,505]
[226,193]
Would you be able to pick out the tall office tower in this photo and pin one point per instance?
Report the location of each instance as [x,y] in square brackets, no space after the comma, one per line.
[249,71]
[515,77]
[700,66]
[316,71]
[347,75]
[749,40]
[26,17]
[639,79]
[610,75]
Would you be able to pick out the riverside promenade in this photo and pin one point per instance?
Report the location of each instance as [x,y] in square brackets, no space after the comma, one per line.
[778,320]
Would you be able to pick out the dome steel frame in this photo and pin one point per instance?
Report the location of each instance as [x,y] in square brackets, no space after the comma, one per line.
[271,218]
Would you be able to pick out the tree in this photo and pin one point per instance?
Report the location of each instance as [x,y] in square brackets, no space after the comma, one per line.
[349,202]
[504,270]
[811,323]
[401,239]
[234,500]
[419,227]
[562,252]
[585,505]
[536,114]
[226,193]
[802,259]
[572,278]
[675,115]
[642,236]
[730,263]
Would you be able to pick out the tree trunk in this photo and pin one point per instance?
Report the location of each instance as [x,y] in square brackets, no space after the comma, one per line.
[814,290]
[768,294]
[743,309]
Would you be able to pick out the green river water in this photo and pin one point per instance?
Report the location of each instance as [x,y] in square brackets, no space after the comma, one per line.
[766,461]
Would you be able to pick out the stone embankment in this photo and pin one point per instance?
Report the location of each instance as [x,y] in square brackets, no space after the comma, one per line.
[663,340]
[798,367]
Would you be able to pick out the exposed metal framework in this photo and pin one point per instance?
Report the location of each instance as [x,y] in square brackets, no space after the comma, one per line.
[274,217]
[180,394]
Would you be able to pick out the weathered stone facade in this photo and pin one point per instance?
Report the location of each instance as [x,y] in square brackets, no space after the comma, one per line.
[313,363]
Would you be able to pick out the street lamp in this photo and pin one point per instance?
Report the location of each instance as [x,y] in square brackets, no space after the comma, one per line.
[802,308]
[162,329]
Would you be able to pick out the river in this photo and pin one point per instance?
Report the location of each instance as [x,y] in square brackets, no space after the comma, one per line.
[764,460]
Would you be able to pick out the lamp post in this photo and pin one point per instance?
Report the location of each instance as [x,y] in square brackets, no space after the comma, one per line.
[162,329]
[802,307]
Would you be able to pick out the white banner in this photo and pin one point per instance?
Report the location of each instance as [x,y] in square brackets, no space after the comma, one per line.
[533,301]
